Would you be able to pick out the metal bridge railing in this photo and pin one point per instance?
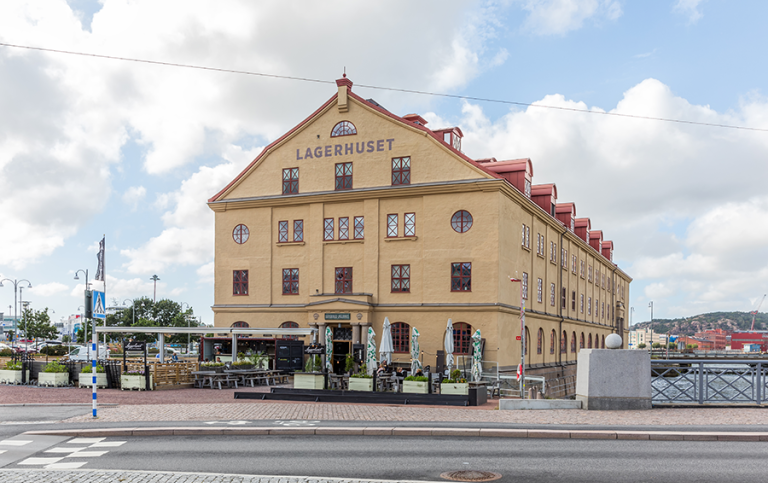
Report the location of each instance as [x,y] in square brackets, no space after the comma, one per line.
[681,381]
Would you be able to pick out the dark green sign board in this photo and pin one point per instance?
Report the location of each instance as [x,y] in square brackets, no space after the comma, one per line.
[338,317]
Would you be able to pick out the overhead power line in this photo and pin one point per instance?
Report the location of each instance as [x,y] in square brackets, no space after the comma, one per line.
[395,89]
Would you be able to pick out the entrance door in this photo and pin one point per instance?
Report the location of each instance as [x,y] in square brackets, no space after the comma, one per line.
[340,350]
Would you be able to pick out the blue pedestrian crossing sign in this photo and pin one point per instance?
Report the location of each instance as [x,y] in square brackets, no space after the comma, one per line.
[98,305]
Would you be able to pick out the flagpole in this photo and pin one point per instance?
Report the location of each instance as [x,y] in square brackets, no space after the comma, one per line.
[104,274]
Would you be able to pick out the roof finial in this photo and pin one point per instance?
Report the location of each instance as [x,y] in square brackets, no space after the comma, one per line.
[345,71]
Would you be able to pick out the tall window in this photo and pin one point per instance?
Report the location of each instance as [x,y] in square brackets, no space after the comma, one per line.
[344,128]
[564,258]
[589,342]
[589,306]
[282,231]
[290,325]
[563,297]
[552,338]
[525,286]
[391,226]
[581,303]
[582,269]
[240,282]
[359,228]
[589,277]
[343,176]
[290,281]
[344,228]
[461,277]
[344,280]
[552,294]
[328,229]
[290,181]
[298,230]
[401,337]
[527,236]
[573,265]
[602,310]
[409,225]
[461,221]
[563,342]
[401,171]
[540,340]
[573,300]
[602,342]
[401,278]
[573,343]
[539,290]
[581,341]
[462,338]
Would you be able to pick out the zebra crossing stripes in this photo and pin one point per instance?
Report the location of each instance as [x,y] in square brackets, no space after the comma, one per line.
[61,456]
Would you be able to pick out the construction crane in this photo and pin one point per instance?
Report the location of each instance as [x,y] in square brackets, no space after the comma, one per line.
[754,312]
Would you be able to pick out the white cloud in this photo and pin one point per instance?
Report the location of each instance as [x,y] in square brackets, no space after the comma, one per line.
[48,289]
[690,9]
[686,203]
[206,273]
[558,17]
[134,195]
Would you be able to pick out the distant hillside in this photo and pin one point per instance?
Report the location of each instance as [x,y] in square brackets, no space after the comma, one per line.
[733,321]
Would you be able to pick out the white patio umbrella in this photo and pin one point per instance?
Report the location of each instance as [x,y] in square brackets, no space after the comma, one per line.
[448,345]
[328,349]
[415,363]
[386,349]
[477,356]
[370,352]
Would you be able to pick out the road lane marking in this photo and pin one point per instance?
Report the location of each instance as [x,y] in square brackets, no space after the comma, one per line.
[86,454]
[85,440]
[107,444]
[64,466]
[63,450]
[14,442]
[40,461]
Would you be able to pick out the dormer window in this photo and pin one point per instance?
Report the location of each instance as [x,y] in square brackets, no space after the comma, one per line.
[452,137]
[528,188]
[573,224]
[344,128]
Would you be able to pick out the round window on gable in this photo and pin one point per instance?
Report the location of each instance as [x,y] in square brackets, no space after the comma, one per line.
[461,221]
[344,128]
[240,234]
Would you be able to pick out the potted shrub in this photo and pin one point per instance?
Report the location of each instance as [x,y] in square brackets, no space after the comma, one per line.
[260,360]
[135,379]
[349,364]
[53,374]
[455,385]
[311,378]
[416,385]
[11,374]
[242,362]
[361,381]
[86,378]
[212,366]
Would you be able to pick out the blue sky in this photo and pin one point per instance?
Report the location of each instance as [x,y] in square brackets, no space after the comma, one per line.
[91,147]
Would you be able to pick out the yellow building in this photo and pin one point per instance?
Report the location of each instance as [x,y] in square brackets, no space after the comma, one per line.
[357,214]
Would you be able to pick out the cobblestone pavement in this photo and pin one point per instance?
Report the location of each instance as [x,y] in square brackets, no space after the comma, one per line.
[360,412]
[101,476]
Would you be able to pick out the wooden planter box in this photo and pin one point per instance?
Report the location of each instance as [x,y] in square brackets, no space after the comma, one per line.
[12,377]
[53,379]
[135,382]
[416,387]
[241,367]
[308,380]
[455,388]
[361,384]
[86,379]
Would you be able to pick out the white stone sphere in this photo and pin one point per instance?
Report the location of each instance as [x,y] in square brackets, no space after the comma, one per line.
[613,341]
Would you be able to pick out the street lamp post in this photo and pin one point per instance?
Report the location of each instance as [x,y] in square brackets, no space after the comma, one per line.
[15,290]
[521,368]
[85,300]
[651,326]
[154,278]
[186,317]
[133,309]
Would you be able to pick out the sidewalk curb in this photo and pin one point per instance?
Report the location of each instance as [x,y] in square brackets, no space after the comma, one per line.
[111,405]
[407,431]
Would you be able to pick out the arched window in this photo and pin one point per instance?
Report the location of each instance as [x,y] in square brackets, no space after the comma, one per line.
[573,342]
[602,342]
[563,343]
[540,341]
[552,342]
[344,128]
[290,325]
[589,342]
[401,337]
[462,338]
[241,325]
[581,341]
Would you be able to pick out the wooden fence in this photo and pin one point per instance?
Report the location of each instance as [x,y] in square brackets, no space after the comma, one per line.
[174,375]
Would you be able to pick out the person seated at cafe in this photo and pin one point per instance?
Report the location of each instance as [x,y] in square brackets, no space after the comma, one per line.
[175,358]
[419,372]
[218,359]
[382,368]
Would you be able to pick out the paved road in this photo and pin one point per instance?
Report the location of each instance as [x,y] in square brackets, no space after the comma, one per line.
[411,458]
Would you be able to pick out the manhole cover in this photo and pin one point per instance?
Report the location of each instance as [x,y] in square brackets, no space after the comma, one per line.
[470,475]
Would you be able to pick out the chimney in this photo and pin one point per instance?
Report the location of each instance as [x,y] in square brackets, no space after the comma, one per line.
[566,213]
[583,225]
[606,248]
[415,118]
[344,85]
[596,239]
[519,172]
[545,195]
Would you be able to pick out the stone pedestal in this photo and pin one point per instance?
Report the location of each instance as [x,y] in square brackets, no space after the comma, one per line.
[613,379]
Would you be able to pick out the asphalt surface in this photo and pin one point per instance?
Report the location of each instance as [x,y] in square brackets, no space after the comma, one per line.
[418,458]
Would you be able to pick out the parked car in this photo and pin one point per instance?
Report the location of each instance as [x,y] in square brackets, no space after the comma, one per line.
[81,353]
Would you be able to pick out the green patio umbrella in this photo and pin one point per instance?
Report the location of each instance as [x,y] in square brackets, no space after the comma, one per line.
[415,363]
[370,352]
[477,356]
[328,349]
